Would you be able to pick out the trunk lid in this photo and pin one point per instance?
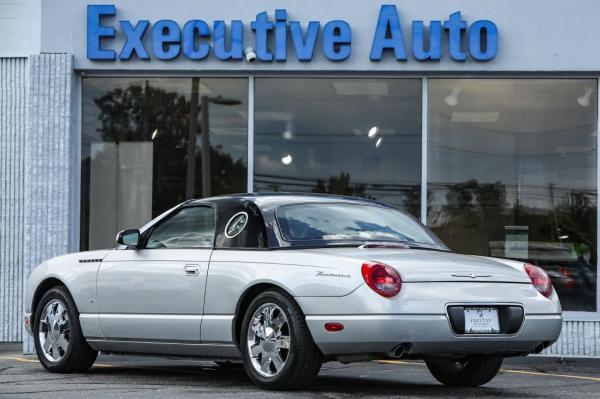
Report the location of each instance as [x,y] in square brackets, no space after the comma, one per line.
[417,265]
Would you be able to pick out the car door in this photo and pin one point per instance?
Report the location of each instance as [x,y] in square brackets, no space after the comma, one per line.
[156,293]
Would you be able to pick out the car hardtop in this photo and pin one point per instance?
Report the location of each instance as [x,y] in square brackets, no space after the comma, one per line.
[271,201]
[262,229]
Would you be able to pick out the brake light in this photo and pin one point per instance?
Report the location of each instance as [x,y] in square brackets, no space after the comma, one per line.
[382,279]
[539,278]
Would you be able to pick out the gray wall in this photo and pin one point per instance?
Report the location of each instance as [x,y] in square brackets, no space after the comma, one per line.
[535,35]
[39,174]
[578,338]
[51,162]
[13,128]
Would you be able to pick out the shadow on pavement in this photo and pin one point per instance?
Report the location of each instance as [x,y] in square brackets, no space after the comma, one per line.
[355,384]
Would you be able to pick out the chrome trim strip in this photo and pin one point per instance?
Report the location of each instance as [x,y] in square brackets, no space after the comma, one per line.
[147,316]
[133,341]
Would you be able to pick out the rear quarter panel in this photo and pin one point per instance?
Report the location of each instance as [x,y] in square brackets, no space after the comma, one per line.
[232,272]
[301,274]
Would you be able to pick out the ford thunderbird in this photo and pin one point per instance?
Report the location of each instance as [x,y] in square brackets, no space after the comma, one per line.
[282,283]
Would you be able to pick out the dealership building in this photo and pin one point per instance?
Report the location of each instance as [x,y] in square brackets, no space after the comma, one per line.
[478,118]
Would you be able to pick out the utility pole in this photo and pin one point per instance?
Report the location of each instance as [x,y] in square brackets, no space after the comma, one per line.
[190,177]
[206,180]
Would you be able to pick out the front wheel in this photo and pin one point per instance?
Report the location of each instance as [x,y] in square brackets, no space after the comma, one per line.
[59,342]
[471,372]
[278,350]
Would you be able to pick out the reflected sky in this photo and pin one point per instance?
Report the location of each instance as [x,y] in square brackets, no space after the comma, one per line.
[512,173]
[365,133]
[535,136]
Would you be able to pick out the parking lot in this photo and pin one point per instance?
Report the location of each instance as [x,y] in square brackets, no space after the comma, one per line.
[146,377]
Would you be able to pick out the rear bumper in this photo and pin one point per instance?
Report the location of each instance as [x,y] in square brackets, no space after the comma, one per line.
[426,335]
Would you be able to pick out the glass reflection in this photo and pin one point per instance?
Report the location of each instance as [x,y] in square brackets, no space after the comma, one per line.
[350,223]
[512,173]
[148,144]
[358,137]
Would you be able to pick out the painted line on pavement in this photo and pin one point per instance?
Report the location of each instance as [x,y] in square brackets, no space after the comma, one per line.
[400,362]
[124,366]
[24,360]
[403,362]
[576,377]
[19,359]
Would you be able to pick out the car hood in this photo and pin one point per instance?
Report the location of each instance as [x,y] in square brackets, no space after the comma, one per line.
[416,265]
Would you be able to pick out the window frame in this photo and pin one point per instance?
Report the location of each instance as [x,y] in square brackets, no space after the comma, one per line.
[567,315]
[144,238]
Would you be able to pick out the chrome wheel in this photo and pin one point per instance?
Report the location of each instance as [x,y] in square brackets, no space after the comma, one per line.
[54,330]
[268,340]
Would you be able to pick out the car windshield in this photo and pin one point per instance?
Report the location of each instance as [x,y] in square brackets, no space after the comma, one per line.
[342,222]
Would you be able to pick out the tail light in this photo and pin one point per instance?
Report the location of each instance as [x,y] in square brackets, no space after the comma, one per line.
[539,278]
[382,279]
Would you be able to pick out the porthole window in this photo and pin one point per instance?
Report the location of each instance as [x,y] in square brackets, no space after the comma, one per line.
[236,224]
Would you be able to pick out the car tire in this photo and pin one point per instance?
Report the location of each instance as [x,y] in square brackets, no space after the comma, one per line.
[58,315]
[472,372]
[302,358]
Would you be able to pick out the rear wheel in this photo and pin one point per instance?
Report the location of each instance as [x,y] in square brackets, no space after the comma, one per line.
[471,372]
[59,343]
[278,350]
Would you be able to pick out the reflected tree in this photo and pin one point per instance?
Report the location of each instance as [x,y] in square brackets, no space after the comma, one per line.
[147,113]
[341,185]
[460,206]
[576,219]
[411,202]
[472,215]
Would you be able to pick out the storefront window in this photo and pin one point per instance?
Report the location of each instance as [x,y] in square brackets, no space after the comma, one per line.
[359,137]
[148,144]
[512,173]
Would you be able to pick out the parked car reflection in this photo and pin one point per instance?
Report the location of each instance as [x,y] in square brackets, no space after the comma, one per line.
[569,268]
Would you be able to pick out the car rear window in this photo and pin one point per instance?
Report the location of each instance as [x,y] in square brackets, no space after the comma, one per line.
[334,222]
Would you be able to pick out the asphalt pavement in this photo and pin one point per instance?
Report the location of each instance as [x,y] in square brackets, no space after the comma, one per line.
[148,377]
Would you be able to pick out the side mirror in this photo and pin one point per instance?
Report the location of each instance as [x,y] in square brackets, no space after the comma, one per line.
[129,237]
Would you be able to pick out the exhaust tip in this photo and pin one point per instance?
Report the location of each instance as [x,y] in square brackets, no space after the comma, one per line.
[399,351]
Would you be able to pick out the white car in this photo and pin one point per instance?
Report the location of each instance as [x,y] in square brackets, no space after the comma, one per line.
[285,282]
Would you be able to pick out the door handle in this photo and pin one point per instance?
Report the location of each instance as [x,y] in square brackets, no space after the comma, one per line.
[191,270]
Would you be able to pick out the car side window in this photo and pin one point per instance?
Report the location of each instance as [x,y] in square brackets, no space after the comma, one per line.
[191,227]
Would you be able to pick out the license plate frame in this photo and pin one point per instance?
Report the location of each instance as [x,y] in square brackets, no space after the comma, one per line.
[482,320]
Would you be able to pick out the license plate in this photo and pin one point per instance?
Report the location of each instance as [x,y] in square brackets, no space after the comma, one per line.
[479,320]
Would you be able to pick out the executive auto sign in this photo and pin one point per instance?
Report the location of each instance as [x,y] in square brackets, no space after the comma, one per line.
[195,40]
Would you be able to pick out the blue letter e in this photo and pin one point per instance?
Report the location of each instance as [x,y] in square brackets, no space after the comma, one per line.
[95,32]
